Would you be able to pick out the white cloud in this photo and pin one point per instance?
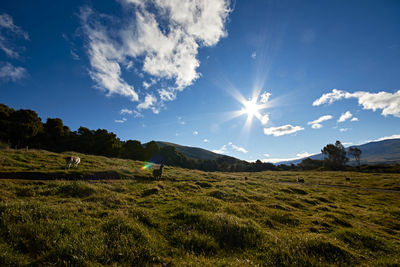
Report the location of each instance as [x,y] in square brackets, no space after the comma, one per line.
[180,121]
[105,57]
[254,55]
[238,148]
[135,113]
[206,141]
[74,55]
[195,133]
[282,130]
[221,150]
[9,72]
[73,50]
[347,143]
[120,121]
[320,119]
[354,119]
[394,136]
[345,116]
[267,155]
[276,160]
[304,155]
[298,156]
[148,102]
[264,119]
[343,129]
[8,30]
[166,95]
[389,103]
[330,97]
[126,111]
[265,97]
[316,124]
[162,37]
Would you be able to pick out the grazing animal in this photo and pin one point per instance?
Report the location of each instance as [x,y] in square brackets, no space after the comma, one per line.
[245,177]
[72,160]
[300,180]
[347,179]
[158,173]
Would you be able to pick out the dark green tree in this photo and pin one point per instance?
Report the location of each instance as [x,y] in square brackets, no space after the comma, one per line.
[106,143]
[24,125]
[83,141]
[5,113]
[310,164]
[151,151]
[132,149]
[171,156]
[54,137]
[335,156]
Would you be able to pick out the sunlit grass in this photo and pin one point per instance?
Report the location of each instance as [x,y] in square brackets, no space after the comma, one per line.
[191,217]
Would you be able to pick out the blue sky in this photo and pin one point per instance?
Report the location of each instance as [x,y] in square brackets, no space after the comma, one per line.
[252,79]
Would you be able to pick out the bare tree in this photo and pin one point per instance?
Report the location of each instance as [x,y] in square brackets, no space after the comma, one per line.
[356,153]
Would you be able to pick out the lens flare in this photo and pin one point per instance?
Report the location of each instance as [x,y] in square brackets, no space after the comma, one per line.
[147,166]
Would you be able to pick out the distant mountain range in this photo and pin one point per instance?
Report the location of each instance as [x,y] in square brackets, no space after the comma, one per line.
[386,151]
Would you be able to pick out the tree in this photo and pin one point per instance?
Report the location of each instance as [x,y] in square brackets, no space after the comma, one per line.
[335,156]
[53,136]
[356,153]
[310,164]
[5,113]
[132,149]
[151,152]
[25,125]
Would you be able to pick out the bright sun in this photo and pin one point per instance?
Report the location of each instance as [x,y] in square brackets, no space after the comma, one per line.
[251,108]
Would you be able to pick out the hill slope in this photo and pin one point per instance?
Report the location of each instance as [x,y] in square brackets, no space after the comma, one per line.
[192,152]
[385,151]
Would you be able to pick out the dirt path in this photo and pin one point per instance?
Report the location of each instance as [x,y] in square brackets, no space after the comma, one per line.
[344,187]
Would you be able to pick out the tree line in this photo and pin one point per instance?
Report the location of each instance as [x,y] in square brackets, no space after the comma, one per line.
[24,128]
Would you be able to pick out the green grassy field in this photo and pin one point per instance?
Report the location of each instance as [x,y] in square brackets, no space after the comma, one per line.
[191,217]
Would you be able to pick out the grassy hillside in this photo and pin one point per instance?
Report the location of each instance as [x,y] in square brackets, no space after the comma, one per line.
[193,217]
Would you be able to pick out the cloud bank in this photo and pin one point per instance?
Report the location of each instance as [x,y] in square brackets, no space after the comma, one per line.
[387,102]
[159,40]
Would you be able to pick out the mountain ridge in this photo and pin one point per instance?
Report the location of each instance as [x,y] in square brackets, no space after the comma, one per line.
[374,152]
